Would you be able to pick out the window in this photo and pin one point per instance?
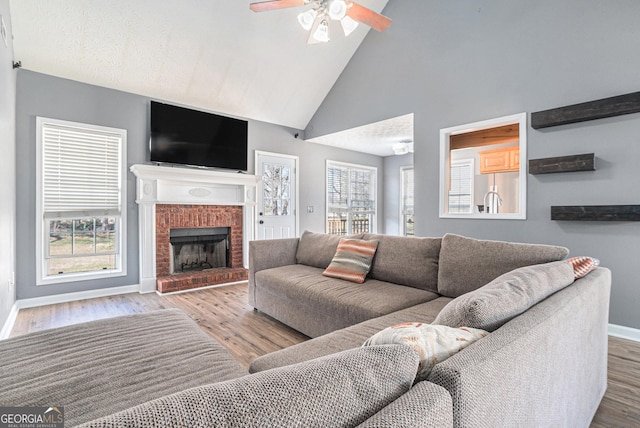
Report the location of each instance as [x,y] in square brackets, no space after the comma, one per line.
[351,198]
[81,201]
[276,193]
[504,170]
[406,208]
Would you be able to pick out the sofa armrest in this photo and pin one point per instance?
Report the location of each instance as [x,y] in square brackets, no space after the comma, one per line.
[546,367]
[339,390]
[269,254]
[426,405]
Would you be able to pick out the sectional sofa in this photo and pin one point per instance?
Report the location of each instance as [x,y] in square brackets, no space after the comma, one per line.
[541,363]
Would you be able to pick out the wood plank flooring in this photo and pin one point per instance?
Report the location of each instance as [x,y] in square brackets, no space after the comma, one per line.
[224,314]
[221,312]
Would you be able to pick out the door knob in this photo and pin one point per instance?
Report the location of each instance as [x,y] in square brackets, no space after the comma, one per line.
[261,221]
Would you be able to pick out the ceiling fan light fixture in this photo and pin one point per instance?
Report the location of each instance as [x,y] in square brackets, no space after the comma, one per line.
[316,21]
[306,19]
[402,147]
[348,25]
[322,32]
[337,9]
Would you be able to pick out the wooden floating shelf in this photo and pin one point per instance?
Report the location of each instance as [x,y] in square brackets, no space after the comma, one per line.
[573,163]
[596,213]
[598,109]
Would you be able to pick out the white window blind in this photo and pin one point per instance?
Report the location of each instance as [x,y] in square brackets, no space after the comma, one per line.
[461,186]
[406,214]
[81,171]
[337,186]
[407,190]
[351,198]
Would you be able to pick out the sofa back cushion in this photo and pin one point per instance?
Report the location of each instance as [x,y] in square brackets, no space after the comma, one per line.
[406,260]
[342,389]
[467,264]
[493,305]
[318,249]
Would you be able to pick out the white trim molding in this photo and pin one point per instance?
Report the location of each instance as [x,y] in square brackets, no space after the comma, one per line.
[445,133]
[9,323]
[61,298]
[169,185]
[624,332]
[45,212]
[72,297]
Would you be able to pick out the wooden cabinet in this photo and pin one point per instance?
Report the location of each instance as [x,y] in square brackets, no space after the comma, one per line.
[505,159]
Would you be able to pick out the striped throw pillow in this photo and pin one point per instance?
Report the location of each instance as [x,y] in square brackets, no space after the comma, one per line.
[352,260]
[583,265]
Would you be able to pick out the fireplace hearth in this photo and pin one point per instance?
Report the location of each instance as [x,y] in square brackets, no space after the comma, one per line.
[198,246]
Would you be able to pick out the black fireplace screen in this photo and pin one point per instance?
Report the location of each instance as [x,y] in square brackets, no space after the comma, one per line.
[199,249]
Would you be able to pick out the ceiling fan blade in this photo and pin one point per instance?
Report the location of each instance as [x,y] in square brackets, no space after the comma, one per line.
[275,4]
[367,16]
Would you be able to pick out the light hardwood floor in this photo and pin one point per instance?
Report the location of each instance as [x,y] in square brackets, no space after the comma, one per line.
[225,315]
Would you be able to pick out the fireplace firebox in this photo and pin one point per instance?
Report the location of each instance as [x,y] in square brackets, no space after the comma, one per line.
[197,249]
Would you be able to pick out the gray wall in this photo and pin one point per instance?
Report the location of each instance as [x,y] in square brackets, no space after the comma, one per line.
[48,96]
[7,169]
[459,62]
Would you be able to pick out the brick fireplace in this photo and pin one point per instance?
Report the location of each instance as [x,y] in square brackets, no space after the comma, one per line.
[182,198]
[170,216]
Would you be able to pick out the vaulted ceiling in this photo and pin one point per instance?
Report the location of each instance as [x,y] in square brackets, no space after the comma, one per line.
[216,55]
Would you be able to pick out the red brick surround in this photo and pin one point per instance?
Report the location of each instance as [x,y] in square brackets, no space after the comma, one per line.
[192,216]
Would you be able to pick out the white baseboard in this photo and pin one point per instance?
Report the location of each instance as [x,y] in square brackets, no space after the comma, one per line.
[72,297]
[624,332]
[8,324]
[60,298]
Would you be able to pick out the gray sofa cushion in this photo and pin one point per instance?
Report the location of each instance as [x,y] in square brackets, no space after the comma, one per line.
[339,390]
[347,338]
[506,297]
[467,264]
[318,249]
[426,405]
[406,261]
[97,368]
[340,300]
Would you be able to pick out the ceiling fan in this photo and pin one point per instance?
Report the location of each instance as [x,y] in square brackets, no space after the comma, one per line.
[316,20]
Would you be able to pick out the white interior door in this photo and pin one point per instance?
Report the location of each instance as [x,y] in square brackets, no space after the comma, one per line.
[277,196]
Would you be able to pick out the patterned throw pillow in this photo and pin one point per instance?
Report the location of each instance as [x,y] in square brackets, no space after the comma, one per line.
[352,260]
[434,343]
[583,265]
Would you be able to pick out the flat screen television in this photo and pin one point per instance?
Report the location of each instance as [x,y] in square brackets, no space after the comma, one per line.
[190,137]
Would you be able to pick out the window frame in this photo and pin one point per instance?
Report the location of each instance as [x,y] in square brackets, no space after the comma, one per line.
[43,221]
[374,192]
[519,119]
[403,207]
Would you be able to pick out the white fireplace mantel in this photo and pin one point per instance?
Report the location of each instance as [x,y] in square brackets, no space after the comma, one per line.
[175,185]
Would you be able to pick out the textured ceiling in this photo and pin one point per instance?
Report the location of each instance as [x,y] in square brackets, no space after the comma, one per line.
[216,55]
[375,138]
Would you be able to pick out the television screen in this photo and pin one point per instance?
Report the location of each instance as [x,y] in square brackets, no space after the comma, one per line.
[189,137]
